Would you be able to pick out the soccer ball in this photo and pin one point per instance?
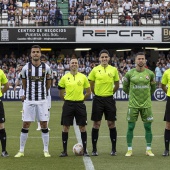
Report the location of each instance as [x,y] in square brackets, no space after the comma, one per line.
[78,149]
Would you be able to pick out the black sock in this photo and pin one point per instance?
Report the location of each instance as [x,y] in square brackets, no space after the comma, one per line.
[84,140]
[167,139]
[95,135]
[64,140]
[3,139]
[113,138]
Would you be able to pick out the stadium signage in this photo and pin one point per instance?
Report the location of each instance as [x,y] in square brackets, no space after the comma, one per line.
[120,95]
[121,33]
[165,34]
[118,34]
[41,35]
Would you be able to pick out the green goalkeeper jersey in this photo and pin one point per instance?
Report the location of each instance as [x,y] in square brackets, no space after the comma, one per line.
[139,87]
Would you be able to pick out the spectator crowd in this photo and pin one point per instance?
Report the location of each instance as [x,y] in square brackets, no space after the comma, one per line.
[59,63]
[123,12]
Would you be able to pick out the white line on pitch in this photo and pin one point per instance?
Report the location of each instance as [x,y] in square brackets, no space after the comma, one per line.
[87,161]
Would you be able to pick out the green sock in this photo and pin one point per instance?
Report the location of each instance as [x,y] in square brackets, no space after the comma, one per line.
[148,134]
[129,136]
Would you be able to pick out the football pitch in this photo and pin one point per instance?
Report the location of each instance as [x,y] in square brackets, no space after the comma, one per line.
[34,158]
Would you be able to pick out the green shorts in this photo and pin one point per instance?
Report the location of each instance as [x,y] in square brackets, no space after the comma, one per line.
[146,114]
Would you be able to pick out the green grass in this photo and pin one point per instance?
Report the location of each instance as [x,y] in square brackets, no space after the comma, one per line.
[34,158]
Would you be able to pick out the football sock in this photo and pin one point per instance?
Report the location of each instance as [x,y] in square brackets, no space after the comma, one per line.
[148,134]
[129,136]
[84,140]
[39,126]
[3,139]
[113,138]
[95,135]
[167,139]
[23,139]
[45,138]
[64,140]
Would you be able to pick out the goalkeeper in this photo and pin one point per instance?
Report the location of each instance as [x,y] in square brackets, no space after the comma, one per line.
[139,84]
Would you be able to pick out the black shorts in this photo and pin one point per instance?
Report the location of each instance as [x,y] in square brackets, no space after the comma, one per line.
[106,105]
[167,111]
[2,113]
[73,109]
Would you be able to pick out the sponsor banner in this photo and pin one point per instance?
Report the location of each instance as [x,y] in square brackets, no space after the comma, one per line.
[41,35]
[120,95]
[118,35]
[165,34]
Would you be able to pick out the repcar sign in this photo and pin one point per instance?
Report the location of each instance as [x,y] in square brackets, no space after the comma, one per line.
[118,34]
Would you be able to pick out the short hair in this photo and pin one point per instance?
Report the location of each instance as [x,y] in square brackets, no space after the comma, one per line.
[140,53]
[104,51]
[36,46]
[44,57]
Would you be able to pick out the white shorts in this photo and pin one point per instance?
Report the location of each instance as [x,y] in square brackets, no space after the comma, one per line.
[35,110]
[21,93]
[49,102]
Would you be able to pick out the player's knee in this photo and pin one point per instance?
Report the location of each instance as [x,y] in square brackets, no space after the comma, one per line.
[111,124]
[26,124]
[82,128]
[147,126]
[168,125]
[131,126]
[96,125]
[66,128]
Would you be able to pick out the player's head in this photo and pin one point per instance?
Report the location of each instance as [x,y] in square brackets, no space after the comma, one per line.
[104,57]
[140,59]
[74,64]
[35,52]
[44,59]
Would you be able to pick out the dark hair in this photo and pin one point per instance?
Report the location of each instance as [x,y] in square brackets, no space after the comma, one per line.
[140,53]
[104,51]
[36,46]
[44,57]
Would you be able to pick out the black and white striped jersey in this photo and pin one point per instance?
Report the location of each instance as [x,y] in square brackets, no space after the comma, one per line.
[36,81]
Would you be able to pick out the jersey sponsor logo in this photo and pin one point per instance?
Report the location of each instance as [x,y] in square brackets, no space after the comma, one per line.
[147,77]
[140,87]
[159,94]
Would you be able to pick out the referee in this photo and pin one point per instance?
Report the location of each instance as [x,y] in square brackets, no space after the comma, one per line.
[166,88]
[104,82]
[71,88]
[4,82]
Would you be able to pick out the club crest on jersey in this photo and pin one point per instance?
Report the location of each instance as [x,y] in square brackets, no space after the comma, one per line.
[110,75]
[147,77]
[79,83]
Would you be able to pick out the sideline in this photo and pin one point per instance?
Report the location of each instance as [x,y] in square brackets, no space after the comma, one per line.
[87,161]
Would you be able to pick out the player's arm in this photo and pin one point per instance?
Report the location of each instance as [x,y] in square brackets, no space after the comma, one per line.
[153,84]
[16,84]
[164,82]
[48,84]
[61,92]
[5,88]
[61,88]
[92,83]
[126,83]
[88,93]
[116,86]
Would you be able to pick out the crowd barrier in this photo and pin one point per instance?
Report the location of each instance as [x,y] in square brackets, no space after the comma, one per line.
[120,95]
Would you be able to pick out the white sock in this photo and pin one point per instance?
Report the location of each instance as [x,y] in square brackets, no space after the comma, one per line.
[23,139]
[39,126]
[129,148]
[45,138]
[148,148]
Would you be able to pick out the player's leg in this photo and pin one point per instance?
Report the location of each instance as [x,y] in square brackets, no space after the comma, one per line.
[42,116]
[167,128]
[110,116]
[96,117]
[81,120]
[132,116]
[3,136]
[23,138]
[28,117]
[147,118]
[66,120]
